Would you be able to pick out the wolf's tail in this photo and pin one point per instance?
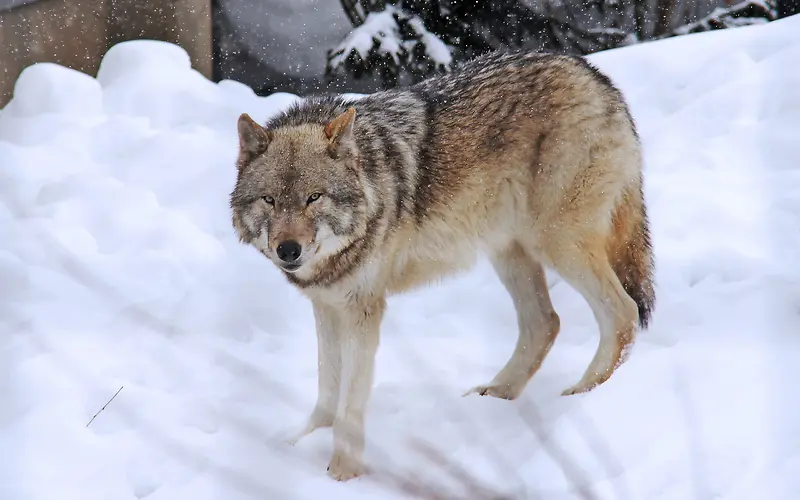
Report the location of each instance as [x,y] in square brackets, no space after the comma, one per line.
[630,251]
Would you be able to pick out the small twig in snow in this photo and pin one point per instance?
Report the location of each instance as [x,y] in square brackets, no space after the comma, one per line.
[104,406]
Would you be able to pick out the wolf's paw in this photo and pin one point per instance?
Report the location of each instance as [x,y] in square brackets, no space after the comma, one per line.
[317,420]
[502,391]
[295,438]
[344,467]
[579,388]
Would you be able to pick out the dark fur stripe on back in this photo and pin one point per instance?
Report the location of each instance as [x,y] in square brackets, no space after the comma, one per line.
[425,175]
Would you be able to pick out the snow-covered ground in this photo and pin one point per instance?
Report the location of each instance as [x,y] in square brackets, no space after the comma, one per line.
[119,267]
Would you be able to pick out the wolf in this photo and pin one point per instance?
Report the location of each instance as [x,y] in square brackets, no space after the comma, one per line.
[531,160]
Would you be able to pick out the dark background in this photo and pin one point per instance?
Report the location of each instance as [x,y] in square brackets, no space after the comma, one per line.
[281,45]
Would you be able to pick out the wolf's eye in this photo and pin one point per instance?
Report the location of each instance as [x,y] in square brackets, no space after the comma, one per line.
[269,200]
[314,197]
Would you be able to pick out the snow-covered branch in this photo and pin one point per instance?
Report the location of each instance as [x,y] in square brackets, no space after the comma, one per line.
[741,14]
[388,41]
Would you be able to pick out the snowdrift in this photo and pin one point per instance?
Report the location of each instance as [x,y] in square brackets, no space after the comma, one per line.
[120,269]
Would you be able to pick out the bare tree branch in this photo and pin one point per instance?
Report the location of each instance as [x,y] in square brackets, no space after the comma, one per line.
[351,11]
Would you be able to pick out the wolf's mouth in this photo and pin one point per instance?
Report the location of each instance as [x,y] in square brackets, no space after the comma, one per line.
[290,268]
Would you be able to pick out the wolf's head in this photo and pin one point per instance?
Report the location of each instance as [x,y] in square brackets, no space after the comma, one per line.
[298,197]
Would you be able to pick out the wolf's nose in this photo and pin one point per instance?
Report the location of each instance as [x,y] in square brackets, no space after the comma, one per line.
[289,251]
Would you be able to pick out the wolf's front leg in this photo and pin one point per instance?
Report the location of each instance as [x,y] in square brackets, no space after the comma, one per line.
[329,369]
[359,336]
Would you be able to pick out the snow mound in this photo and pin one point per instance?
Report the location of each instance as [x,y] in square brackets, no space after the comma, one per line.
[120,268]
[144,57]
[48,88]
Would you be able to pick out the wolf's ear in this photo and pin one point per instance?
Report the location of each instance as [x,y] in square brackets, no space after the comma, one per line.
[253,138]
[340,131]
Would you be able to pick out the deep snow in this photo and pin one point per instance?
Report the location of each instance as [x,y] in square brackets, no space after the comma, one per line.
[120,268]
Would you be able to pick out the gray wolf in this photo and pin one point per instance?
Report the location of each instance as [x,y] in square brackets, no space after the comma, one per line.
[531,160]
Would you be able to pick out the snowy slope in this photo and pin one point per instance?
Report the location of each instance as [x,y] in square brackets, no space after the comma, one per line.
[120,268]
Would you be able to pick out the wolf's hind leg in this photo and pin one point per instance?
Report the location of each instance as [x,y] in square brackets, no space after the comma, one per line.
[329,370]
[524,278]
[586,267]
